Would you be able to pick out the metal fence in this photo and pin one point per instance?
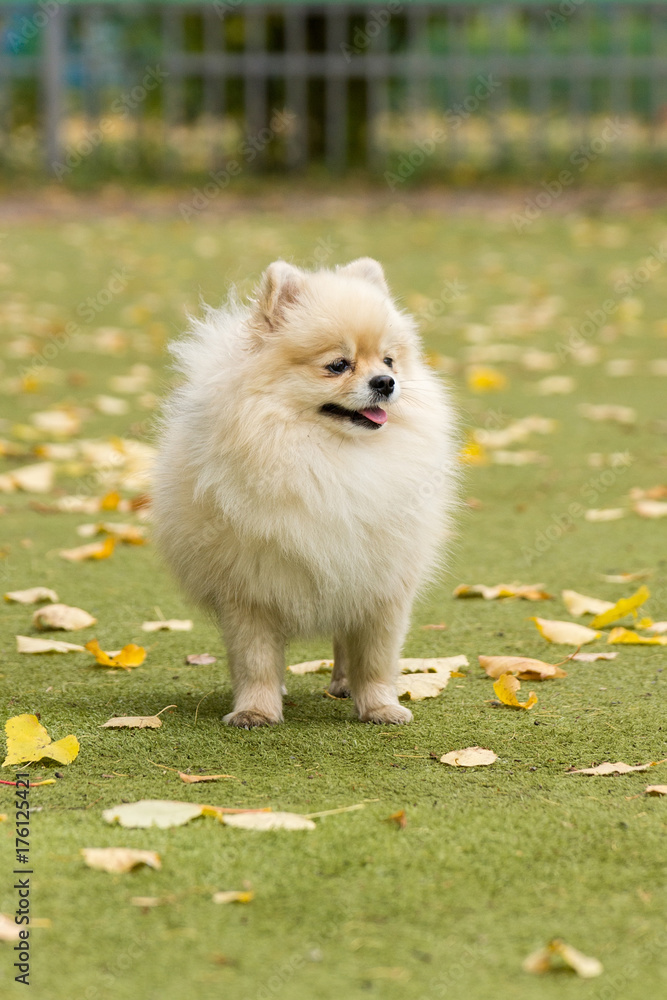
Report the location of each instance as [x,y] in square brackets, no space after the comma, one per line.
[296,83]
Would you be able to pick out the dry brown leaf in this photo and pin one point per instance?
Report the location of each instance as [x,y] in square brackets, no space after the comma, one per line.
[136,721]
[30,644]
[607,768]
[119,860]
[62,616]
[168,625]
[579,604]
[200,659]
[31,596]
[399,818]
[542,960]
[95,550]
[527,591]
[506,688]
[655,790]
[525,668]
[565,633]
[233,896]
[469,757]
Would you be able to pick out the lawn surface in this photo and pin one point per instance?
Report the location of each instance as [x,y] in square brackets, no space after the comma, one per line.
[494,861]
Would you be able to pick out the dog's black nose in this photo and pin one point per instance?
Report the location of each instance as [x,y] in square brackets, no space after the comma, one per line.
[384,384]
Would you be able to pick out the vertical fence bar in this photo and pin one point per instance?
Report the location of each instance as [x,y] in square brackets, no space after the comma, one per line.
[336,82]
[254,72]
[296,94]
[377,90]
[52,65]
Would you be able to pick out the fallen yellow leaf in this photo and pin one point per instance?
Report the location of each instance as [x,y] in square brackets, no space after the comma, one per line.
[579,604]
[624,606]
[31,644]
[61,616]
[565,633]
[31,596]
[119,860]
[543,960]
[527,591]
[524,667]
[28,741]
[132,534]
[233,896]
[469,757]
[627,636]
[482,379]
[95,550]
[506,688]
[128,657]
[655,790]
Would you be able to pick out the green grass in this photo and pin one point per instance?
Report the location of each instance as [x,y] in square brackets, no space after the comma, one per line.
[493,862]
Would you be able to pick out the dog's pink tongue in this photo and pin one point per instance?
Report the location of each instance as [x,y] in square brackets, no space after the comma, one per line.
[377,415]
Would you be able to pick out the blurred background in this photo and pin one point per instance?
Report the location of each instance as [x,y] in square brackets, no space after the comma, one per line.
[445,91]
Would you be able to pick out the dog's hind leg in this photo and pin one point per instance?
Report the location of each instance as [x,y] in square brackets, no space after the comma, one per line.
[340,686]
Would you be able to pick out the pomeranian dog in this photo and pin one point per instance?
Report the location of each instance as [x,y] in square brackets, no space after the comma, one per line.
[304,481]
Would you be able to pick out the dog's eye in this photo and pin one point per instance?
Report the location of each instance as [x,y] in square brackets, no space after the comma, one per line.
[389,362]
[339,366]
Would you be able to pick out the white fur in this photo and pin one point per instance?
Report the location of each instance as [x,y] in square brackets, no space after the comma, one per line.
[289,522]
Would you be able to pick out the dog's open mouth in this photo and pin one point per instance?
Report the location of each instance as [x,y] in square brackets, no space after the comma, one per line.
[372,417]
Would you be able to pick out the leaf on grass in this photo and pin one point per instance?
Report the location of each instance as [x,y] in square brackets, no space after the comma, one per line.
[518,458]
[527,591]
[469,757]
[579,604]
[592,657]
[542,960]
[30,644]
[650,508]
[624,606]
[132,534]
[596,515]
[441,627]
[426,678]
[268,821]
[399,818]
[481,379]
[525,668]
[193,779]
[625,415]
[34,478]
[655,790]
[311,667]
[656,627]
[170,625]
[200,659]
[628,637]
[95,550]
[60,423]
[641,574]
[129,656]
[31,596]
[119,860]
[233,896]
[618,768]
[9,930]
[506,688]
[136,721]
[163,813]
[565,633]
[62,616]
[28,741]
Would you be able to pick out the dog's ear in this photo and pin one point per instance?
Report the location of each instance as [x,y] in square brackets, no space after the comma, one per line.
[369,270]
[279,288]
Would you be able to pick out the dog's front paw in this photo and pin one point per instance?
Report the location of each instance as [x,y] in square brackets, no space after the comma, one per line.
[395,715]
[248,719]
